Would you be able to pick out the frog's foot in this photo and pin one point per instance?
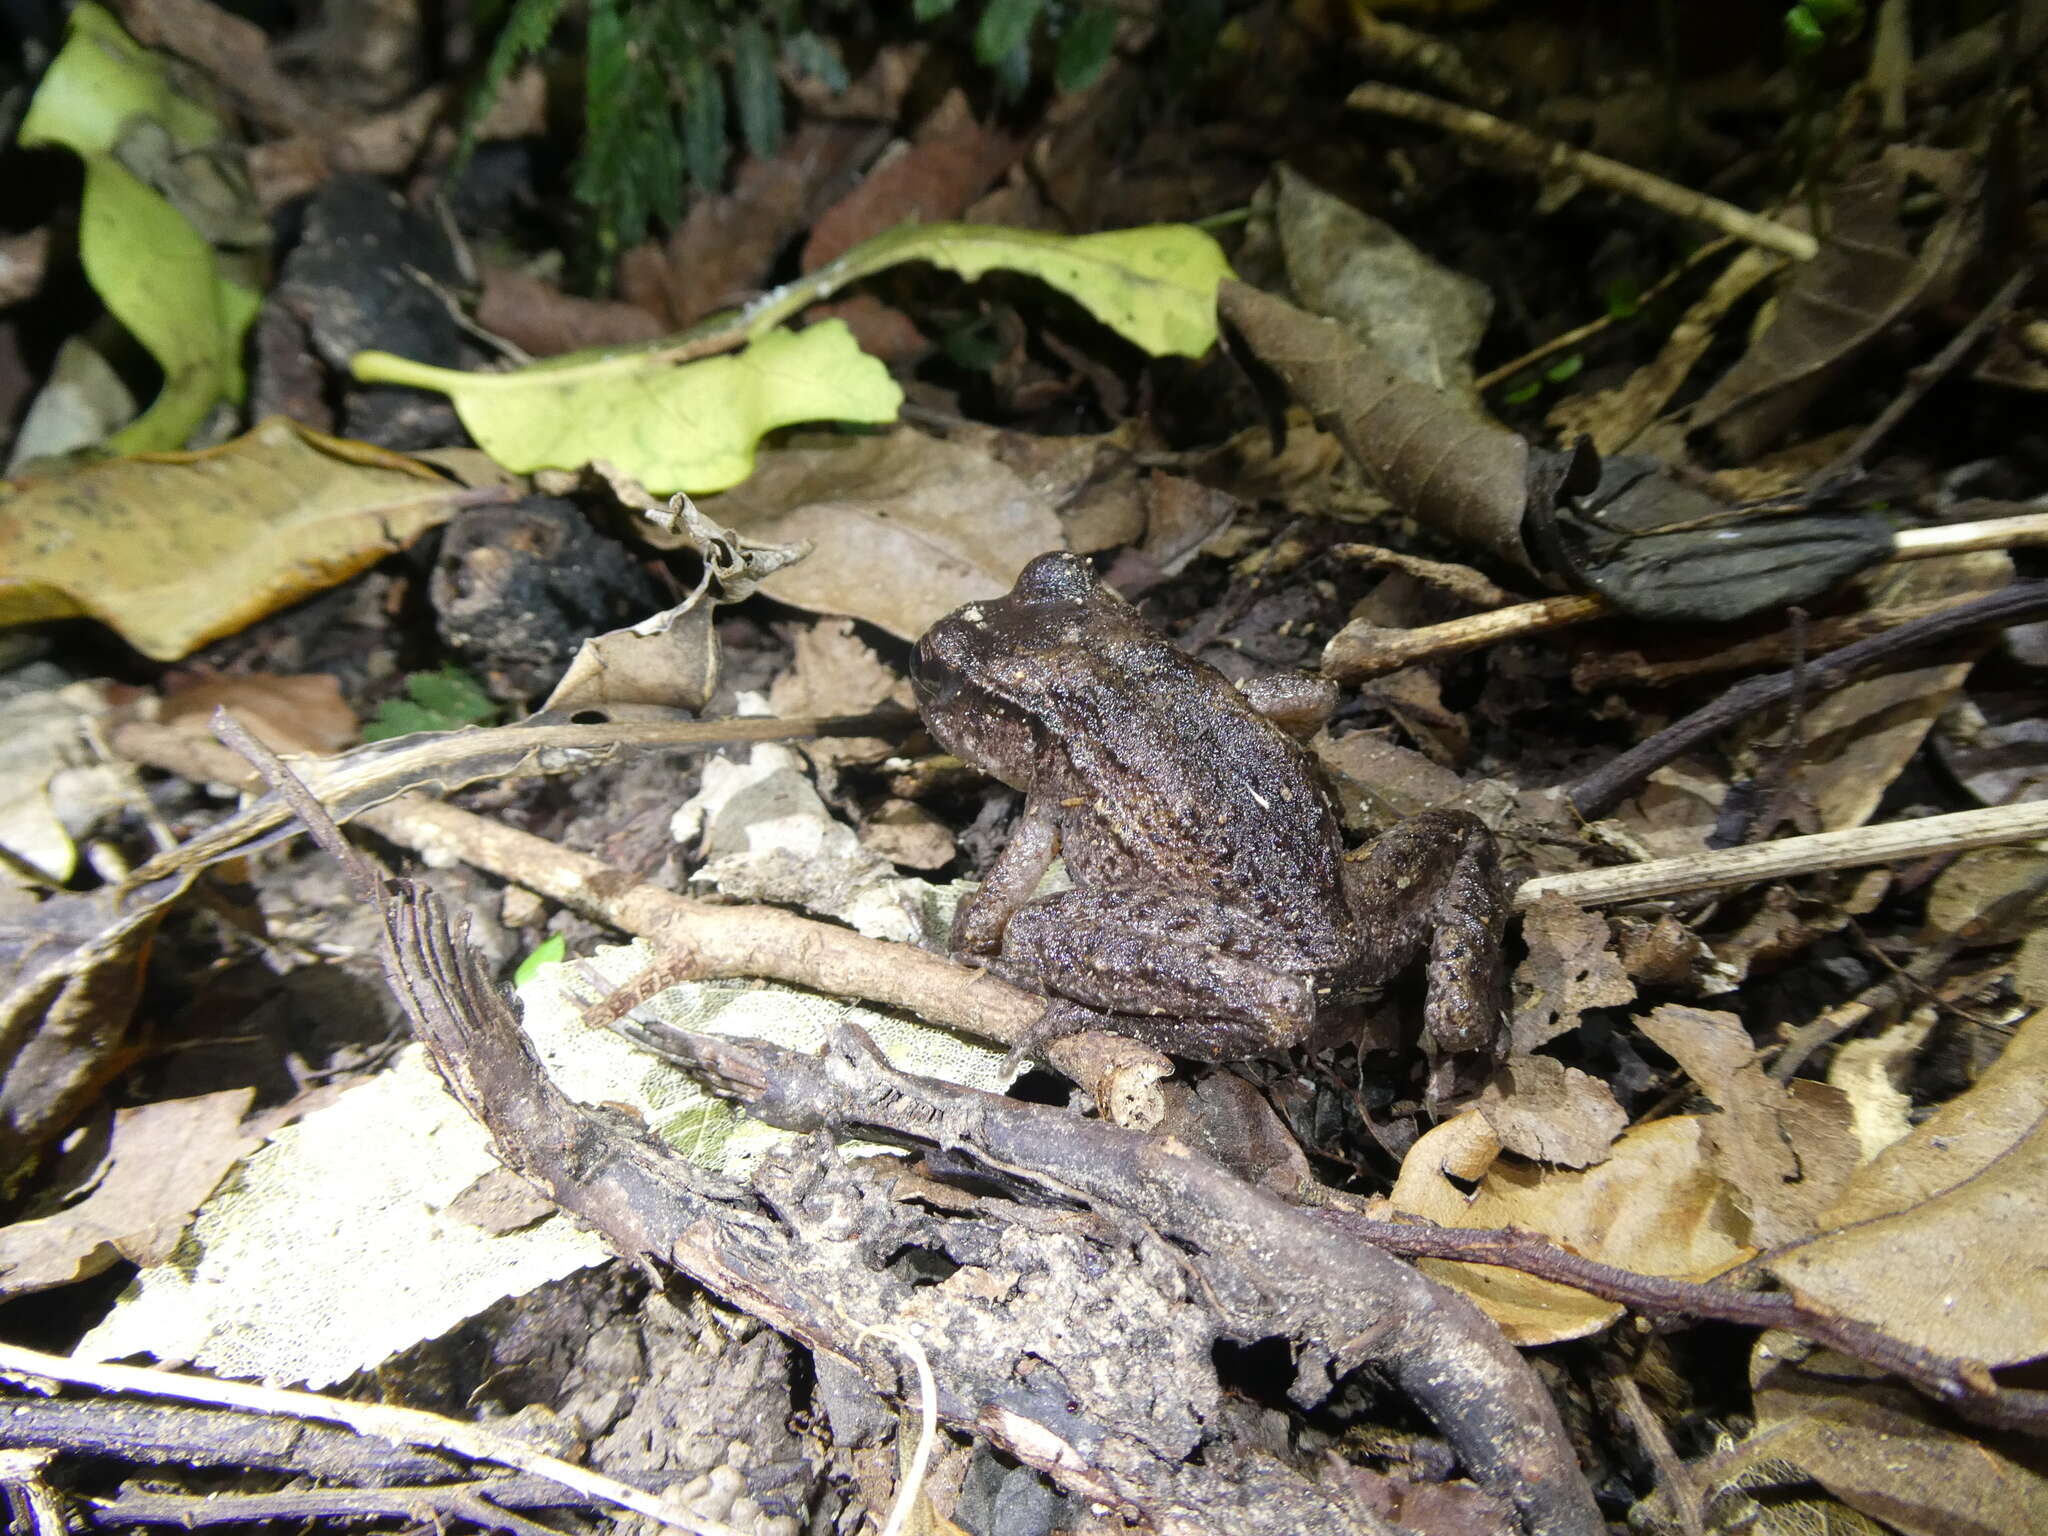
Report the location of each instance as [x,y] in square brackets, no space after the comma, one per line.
[1434,883]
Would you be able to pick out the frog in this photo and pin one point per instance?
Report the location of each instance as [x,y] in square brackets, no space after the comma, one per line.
[1213,912]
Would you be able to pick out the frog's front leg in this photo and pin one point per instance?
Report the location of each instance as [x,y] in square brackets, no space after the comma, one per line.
[1174,969]
[979,921]
[1434,882]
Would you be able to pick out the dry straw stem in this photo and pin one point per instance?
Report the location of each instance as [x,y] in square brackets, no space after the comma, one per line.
[400,1426]
[1484,128]
[1890,843]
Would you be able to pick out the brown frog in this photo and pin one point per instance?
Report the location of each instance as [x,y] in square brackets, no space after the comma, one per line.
[1212,912]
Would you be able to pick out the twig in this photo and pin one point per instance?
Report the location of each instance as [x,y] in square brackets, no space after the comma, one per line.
[1887,843]
[1356,653]
[1599,792]
[1592,328]
[1672,1476]
[401,1426]
[1484,128]
[487,1502]
[1920,380]
[1965,1384]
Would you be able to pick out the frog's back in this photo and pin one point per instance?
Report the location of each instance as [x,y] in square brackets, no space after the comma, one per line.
[1178,781]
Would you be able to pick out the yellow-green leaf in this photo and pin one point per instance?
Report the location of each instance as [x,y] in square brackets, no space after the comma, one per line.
[154,270]
[1154,285]
[178,549]
[671,426]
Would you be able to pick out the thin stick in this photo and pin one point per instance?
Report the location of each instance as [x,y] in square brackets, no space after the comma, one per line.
[1597,793]
[1593,328]
[1484,128]
[401,1426]
[1888,843]
[1922,379]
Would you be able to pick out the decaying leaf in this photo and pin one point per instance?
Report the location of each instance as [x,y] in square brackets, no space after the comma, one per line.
[1880,1449]
[173,550]
[141,233]
[1655,1207]
[1857,739]
[42,735]
[1942,1239]
[1551,1113]
[1786,1149]
[906,527]
[1570,967]
[161,1161]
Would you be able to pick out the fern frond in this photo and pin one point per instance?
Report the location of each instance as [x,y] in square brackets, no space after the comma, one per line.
[527,28]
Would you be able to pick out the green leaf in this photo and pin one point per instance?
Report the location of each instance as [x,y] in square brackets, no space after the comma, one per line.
[525,31]
[1565,368]
[1802,32]
[149,264]
[673,427]
[1522,394]
[932,10]
[1085,48]
[1005,27]
[756,90]
[438,701]
[548,952]
[1624,298]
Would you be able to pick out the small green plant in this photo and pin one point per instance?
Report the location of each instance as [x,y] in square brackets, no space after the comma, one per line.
[665,81]
[547,952]
[435,701]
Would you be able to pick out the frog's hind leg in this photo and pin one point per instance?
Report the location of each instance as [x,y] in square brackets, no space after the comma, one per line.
[1434,883]
[1177,970]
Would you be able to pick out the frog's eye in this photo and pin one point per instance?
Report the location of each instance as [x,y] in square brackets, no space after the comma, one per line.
[1056,577]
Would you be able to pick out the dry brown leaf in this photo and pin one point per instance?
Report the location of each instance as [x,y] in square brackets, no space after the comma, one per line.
[1615,418]
[1942,1240]
[173,550]
[1570,967]
[906,527]
[946,165]
[1858,738]
[1878,265]
[1542,1109]
[541,319]
[1787,1150]
[1654,1207]
[1881,1450]
[2001,894]
[305,713]
[1869,1072]
[835,672]
[163,1159]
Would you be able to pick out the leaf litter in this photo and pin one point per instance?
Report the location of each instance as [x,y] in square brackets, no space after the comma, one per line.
[1854,1117]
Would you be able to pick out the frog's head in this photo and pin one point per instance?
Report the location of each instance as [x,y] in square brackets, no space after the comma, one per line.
[985,673]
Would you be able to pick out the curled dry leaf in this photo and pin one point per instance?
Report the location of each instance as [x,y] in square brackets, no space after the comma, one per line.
[1423,319]
[1465,477]
[173,550]
[906,527]
[1786,1149]
[1942,1239]
[1655,1207]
